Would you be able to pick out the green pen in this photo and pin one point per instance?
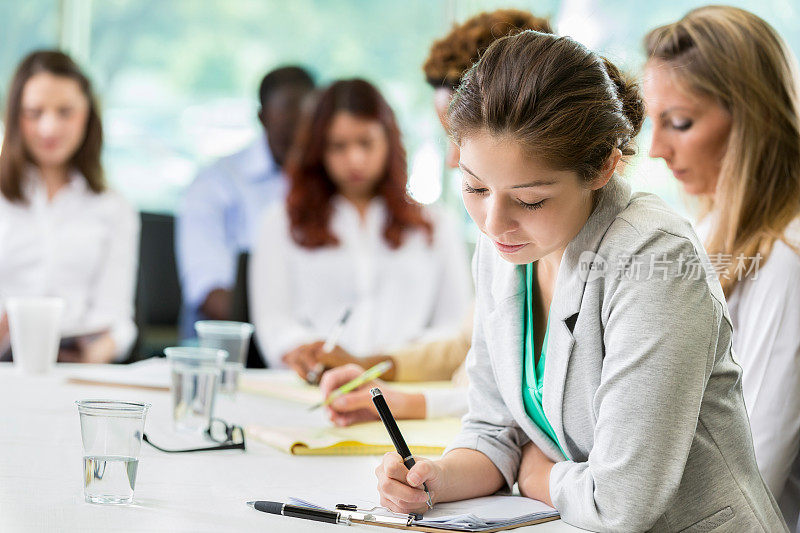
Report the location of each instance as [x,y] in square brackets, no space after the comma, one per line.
[368,375]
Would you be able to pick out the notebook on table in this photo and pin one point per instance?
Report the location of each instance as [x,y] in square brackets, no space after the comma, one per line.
[424,437]
[149,374]
[287,385]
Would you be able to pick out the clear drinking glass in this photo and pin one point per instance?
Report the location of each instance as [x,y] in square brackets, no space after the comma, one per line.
[195,376]
[112,438]
[234,338]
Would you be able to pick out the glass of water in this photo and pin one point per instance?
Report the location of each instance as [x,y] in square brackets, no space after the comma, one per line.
[112,438]
[234,338]
[195,377]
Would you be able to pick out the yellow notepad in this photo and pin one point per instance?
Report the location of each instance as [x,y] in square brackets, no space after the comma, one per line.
[286,385]
[424,437]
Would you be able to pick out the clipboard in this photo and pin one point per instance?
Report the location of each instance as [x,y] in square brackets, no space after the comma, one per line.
[385,518]
[430,529]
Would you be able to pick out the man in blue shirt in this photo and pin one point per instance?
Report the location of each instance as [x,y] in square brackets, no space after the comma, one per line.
[220,212]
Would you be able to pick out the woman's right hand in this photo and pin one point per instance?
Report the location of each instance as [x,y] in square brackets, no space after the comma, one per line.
[302,359]
[357,406]
[401,489]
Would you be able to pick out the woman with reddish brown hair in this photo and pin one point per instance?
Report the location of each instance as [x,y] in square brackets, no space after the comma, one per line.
[350,237]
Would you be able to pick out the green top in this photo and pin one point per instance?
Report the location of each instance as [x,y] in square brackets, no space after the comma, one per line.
[533,371]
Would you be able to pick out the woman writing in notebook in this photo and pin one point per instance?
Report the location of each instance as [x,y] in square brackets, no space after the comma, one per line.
[350,237]
[62,231]
[720,93]
[601,375]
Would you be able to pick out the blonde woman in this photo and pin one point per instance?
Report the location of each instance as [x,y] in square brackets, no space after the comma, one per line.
[720,92]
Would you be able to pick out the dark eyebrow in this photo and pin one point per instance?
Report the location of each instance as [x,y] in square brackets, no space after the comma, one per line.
[536,183]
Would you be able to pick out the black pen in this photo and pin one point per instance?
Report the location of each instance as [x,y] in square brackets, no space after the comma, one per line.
[394,433]
[295,511]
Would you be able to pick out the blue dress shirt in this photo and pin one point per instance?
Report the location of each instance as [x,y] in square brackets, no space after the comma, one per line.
[217,220]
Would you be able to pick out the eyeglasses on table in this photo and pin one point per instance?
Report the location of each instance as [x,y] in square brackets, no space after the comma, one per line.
[227,437]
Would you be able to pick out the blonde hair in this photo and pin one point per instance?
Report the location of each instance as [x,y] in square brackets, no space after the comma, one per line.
[739,60]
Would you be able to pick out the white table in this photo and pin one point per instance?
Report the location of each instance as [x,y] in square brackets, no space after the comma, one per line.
[41,467]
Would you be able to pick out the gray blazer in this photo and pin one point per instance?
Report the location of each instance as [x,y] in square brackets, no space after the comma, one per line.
[639,384]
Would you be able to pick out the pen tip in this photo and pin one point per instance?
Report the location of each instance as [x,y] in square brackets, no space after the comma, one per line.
[251,504]
[375,392]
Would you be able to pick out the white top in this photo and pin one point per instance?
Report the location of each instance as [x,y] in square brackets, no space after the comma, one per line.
[419,291]
[766,343]
[82,247]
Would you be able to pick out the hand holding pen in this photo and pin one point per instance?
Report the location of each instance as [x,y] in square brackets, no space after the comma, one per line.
[356,406]
[364,376]
[315,373]
[306,357]
[403,483]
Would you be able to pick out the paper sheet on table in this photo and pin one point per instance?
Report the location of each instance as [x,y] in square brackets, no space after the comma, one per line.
[489,513]
[151,374]
[287,385]
[424,437]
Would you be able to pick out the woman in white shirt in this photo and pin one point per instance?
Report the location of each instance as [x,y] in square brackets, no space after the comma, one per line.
[349,237]
[723,102]
[441,360]
[62,232]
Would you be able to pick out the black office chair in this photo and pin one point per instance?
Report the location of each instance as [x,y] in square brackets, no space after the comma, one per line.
[158,292]
[240,310]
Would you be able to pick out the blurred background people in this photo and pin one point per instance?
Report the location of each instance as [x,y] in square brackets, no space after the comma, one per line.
[448,59]
[350,237]
[724,105]
[62,231]
[221,208]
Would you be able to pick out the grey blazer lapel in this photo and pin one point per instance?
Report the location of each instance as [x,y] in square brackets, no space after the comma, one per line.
[504,332]
[504,340]
[571,281]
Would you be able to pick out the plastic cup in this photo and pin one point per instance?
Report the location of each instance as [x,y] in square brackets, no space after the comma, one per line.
[35,328]
[195,377]
[112,439]
[234,338]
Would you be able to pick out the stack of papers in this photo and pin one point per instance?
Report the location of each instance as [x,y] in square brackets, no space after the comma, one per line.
[490,512]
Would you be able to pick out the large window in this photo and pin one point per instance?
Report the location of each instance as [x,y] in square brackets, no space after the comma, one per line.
[26,26]
[178,79]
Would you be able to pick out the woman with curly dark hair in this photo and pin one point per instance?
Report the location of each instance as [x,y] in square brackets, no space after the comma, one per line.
[452,55]
[350,237]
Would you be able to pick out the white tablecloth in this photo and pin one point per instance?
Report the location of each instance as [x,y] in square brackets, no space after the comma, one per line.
[41,467]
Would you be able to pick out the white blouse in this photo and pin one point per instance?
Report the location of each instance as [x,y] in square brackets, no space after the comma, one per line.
[80,246]
[417,292]
[766,343]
